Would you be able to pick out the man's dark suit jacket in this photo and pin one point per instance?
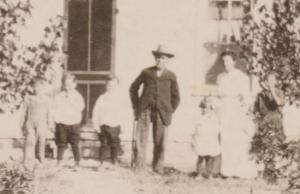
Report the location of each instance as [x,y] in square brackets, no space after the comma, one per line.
[159,92]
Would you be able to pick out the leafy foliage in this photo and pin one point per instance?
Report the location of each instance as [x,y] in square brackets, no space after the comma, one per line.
[272,43]
[21,64]
[15,178]
[271,36]
[13,14]
[269,147]
[293,151]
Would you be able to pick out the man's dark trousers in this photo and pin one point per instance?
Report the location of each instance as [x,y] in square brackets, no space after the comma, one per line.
[110,142]
[159,138]
[65,134]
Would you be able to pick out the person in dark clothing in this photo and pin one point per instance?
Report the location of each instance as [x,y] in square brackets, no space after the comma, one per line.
[157,103]
[68,107]
[110,143]
[269,138]
[107,121]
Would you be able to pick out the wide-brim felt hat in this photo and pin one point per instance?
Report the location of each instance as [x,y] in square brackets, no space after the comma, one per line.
[163,50]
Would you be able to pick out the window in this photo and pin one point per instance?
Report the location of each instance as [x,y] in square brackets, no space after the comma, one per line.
[225,20]
[90,30]
[90,46]
[78,35]
[224,32]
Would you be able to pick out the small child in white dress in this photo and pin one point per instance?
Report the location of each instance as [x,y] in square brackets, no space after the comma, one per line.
[206,139]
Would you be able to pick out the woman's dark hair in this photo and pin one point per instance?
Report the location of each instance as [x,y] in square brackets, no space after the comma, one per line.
[229,53]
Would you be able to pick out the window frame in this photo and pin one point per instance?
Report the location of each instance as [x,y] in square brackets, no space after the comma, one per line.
[229,20]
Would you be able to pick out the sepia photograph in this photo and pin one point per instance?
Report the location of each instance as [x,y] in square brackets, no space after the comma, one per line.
[150,96]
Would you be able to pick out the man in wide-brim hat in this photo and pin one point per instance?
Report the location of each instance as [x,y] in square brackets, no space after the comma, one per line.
[156,104]
[162,50]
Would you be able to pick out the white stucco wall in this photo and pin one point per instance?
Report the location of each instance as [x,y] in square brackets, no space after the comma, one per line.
[141,26]
[42,11]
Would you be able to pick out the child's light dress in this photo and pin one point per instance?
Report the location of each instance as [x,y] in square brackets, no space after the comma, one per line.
[205,139]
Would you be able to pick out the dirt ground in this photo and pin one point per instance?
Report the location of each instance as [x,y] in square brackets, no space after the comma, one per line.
[90,179]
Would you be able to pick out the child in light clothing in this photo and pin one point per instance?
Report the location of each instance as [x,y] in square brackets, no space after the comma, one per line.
[68,106]
[206,139]
[37,121]
[106,121]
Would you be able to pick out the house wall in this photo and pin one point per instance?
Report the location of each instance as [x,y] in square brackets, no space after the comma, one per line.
[140,26]
[182,26]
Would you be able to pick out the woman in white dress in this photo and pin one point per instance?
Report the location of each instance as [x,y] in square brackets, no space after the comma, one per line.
[235,126]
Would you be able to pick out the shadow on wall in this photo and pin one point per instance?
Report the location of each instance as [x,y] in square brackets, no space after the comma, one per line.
[217,67]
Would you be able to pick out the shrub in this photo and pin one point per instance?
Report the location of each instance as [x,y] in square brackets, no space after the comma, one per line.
[15,179]
[272,37]
[21,64]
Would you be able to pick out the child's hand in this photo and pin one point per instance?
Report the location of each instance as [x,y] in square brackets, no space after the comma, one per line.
[52,129]
[50,133]
[97,129]
[192,146]
[24,132]
[52,144]
[193,143]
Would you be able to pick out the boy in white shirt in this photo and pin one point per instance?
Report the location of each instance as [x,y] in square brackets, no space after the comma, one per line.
[68,106]
[106,123]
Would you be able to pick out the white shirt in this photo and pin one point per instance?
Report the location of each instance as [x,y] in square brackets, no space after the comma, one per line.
[68,107]
[107,109]
[159,72]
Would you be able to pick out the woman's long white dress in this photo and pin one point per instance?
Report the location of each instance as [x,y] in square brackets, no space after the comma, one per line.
[236,128]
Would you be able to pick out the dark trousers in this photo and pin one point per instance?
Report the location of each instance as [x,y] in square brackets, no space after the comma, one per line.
[65,134]
[110,143]
[209,165]
[159,139]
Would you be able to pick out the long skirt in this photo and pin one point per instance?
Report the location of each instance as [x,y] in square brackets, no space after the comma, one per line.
[236,131]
